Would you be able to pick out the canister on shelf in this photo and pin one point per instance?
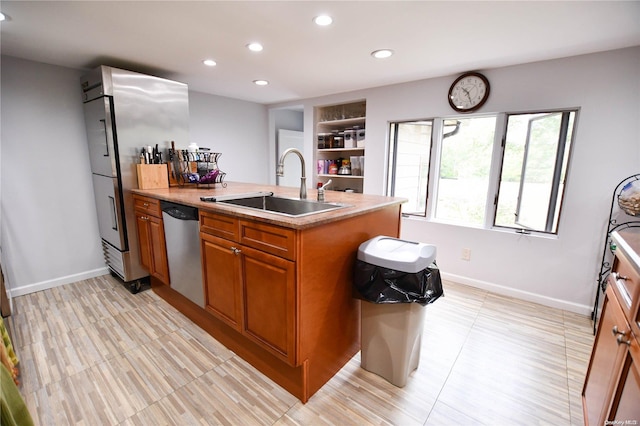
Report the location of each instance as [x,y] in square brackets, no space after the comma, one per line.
[328,142]
[322,140]
[349,138]
[355,165]
[360,138]
[338,142]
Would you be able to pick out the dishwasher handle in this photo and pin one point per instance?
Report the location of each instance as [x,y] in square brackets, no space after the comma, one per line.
[179,211]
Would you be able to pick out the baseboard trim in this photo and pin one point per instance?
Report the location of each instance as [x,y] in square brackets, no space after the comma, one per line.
[520,294]
[484,285]
[44,285]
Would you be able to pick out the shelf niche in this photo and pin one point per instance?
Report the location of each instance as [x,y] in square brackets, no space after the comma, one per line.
[340,134]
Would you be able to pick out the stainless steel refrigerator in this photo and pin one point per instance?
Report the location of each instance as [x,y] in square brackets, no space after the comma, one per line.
[125,111]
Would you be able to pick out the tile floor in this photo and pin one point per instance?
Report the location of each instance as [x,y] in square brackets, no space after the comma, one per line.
[93,354]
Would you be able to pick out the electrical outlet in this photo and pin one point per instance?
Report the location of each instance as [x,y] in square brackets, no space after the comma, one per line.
[466,254]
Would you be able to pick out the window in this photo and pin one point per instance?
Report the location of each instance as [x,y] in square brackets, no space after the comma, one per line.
[505,170]
[465,165]
[534,168]
[411,147]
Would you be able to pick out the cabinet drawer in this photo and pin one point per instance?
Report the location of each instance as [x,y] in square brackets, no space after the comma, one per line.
[269,238]
[220,225]
[626,284]
[147,205]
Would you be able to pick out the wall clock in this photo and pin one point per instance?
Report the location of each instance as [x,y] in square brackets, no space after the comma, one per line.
[469,92]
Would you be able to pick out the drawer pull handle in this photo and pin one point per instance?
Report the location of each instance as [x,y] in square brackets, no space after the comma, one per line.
[621,340]
[236,251]
[615,331]
[617,276]
[146,204]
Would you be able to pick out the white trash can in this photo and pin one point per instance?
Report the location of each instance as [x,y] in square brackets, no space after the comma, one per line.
[400,279]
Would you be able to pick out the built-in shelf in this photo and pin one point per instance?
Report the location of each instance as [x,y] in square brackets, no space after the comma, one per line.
[340,149]
[335,120]
[324,175]
[343,122]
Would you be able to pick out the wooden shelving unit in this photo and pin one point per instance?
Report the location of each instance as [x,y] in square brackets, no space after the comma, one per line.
[332,122]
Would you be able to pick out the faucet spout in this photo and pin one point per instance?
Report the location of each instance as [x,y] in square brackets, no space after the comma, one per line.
[303,178]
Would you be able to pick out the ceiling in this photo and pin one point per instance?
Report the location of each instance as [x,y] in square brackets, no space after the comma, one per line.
[301,60]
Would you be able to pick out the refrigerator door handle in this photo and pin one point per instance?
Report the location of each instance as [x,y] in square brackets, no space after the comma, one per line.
[106,137]
[114,222]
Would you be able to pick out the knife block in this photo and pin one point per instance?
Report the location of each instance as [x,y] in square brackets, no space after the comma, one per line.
[152,176]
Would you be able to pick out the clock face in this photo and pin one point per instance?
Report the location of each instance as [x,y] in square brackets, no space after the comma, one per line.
[469,92]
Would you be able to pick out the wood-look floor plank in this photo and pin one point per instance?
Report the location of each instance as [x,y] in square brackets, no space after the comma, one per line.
[370,397]
[94,354]
[443,414]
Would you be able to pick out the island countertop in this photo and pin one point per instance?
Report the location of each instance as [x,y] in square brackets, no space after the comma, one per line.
[628,240]
[356,204]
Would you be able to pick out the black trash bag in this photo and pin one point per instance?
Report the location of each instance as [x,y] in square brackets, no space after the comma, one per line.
[378,284]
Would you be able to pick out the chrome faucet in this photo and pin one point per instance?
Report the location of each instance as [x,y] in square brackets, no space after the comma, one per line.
[303,179]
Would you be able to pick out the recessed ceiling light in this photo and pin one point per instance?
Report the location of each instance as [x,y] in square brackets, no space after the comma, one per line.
[382,53]
[209,62]
[255,47]
[260,82]
[323,20]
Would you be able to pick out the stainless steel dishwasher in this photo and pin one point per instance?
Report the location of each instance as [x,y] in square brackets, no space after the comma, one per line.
[182,234]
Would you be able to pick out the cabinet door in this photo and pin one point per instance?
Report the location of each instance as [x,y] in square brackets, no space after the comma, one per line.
[144,240]
[626,403]
[605,364]
[221,278]
[269,302]
[159,263]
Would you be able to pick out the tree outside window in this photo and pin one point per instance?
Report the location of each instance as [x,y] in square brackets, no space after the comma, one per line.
[485,173]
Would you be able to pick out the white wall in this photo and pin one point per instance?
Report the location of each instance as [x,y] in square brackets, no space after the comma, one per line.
[560,271]
[238,129]
[287,119]
[282,119]
[48,226]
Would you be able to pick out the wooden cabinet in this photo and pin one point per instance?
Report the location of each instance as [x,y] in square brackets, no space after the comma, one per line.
[626,399]
[268,284]
[344,123]
[153,248]
[221,269]
[278,291]
[611,390]
[251,290]
[605,364]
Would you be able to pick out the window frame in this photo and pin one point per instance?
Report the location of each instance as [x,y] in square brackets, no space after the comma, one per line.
[393,157]
[496,168]
[559,159]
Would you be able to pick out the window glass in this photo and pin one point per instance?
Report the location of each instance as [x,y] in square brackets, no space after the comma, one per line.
[409,172]
[465,166]
[483,176]
[534,170]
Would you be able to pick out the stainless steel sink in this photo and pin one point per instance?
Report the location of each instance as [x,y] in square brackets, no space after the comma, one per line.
[285,206]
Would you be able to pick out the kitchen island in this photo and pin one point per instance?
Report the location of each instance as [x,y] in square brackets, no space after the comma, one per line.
[277,288]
